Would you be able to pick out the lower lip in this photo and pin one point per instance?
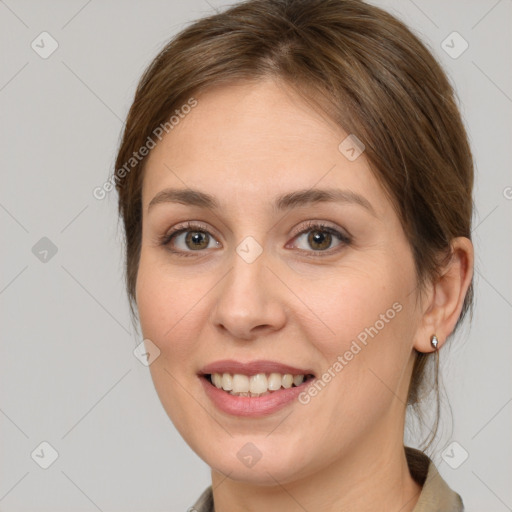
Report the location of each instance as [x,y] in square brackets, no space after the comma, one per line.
[251,406]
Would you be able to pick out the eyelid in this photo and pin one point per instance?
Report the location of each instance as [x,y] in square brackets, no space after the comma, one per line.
[320,224]
[190,225]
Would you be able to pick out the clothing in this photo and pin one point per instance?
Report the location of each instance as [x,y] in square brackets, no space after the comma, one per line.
[435,495]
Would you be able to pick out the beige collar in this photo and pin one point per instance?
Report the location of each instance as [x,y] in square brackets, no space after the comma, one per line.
[435,495]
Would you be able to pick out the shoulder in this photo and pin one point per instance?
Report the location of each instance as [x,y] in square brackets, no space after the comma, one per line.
[436,495]
[204,503]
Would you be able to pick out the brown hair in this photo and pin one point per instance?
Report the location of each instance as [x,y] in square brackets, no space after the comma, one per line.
[367,71]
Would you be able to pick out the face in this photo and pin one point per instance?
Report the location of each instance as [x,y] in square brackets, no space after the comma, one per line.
[260,274]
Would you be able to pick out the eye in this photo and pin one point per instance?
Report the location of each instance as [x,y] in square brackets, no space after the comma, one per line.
[187,238]
[320,238]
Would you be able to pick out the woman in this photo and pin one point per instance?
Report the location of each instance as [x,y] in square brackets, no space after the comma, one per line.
[295,184]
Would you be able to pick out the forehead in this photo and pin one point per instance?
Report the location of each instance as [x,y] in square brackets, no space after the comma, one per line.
[258,138]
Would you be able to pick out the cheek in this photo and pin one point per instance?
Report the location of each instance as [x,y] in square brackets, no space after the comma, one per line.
[166,302]
[364,334]
[357,305]
[167,306]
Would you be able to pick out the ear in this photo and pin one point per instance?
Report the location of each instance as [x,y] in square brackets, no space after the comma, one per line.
[443,301]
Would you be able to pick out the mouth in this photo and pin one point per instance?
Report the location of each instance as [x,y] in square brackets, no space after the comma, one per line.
[253,389]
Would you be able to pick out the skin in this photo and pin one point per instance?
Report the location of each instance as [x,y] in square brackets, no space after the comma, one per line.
[246,144]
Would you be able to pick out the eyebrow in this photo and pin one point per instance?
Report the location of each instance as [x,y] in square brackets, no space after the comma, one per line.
[296,199]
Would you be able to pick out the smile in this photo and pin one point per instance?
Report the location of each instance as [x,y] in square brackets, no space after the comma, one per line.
[256,388]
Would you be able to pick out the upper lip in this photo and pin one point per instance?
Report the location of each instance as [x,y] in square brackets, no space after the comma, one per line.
[251,368]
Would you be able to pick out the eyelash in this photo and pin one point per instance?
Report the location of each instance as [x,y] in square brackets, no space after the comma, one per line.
[165,239]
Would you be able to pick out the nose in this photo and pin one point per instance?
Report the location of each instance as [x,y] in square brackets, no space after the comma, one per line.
[249,301]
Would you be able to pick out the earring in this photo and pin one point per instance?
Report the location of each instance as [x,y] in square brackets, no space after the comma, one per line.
[434,341]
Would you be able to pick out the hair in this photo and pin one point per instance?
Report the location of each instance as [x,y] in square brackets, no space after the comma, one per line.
[366,71]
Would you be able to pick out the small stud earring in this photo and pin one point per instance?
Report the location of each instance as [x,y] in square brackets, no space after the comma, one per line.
[434,341]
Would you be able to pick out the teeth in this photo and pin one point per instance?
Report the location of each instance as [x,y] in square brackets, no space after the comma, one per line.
[297,379]
[274,381]
[240,383]
[217,380]
[255,385]
[287,381]
[227,382]
[258,383]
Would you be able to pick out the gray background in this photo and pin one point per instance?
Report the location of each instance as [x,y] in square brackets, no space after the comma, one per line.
[68,374]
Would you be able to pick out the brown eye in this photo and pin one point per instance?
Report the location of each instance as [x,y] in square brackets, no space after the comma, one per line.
[319,240]
[196,240]
[189,238]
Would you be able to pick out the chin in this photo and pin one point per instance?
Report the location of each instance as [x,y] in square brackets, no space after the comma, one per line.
[257,463]
[264,474]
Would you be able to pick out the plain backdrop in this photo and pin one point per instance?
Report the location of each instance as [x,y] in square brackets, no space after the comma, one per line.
[68,375]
